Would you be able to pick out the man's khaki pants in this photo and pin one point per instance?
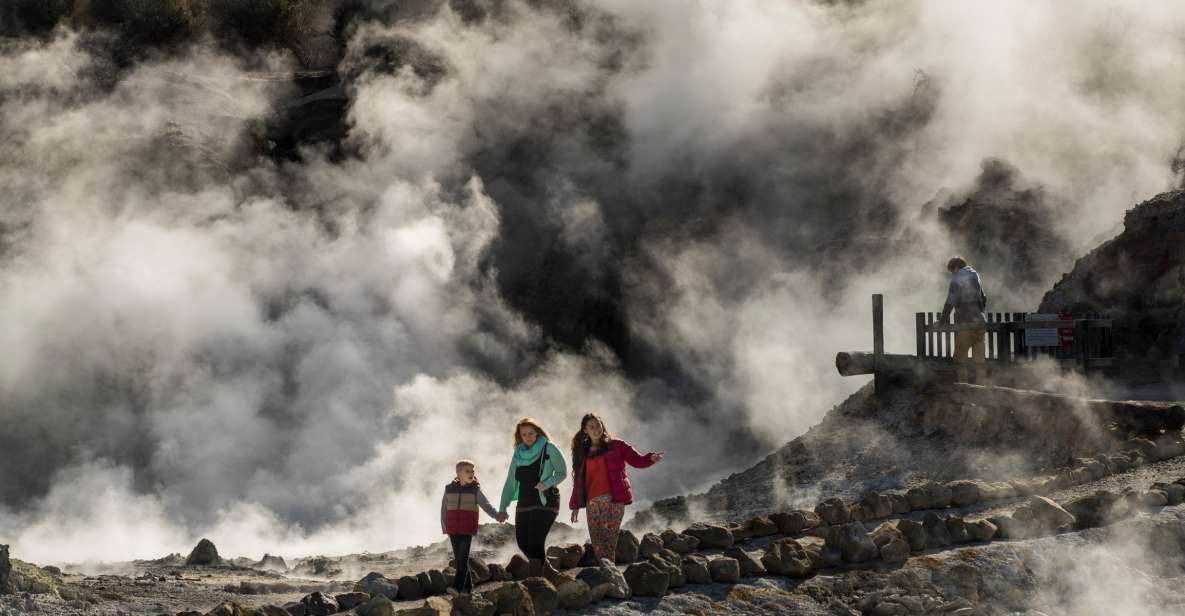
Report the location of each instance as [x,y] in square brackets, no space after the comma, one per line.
[970,339]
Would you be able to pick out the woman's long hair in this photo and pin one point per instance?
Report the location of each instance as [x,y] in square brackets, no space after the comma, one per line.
[527,421]
[581,443]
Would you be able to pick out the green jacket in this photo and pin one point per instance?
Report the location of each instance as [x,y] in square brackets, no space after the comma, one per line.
[554,472]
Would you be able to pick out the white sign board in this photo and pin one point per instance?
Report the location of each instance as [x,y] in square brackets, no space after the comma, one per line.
[1043,337]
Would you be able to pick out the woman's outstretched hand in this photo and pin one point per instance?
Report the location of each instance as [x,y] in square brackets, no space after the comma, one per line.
[575,516]
[657,457]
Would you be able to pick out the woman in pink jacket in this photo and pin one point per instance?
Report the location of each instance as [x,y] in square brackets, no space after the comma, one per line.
[598,465]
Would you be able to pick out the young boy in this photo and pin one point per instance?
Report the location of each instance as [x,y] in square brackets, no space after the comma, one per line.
[458,518]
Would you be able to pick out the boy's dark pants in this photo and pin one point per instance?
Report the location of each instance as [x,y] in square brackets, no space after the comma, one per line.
[461,545]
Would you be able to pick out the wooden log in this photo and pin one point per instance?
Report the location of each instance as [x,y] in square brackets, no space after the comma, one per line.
[855,363]
[1133,414]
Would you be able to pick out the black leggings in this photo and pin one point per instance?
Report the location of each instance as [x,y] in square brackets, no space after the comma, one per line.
[531,528]
[461,545]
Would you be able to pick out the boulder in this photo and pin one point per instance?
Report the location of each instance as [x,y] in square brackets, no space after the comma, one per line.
[878,505]
[761,527]
[739,532]
[981,530]
[646,580]
[511,598]
[678,542]
[832,511]
[348,600]
[860,513]
[886,532]
[787,557]
[900,503]
[749,565]
[725,570]
[204,553]
[272,563]
[319,604]
[605,582]
[963,493]
[294,608]
[794,522]
[695,570]
[543,595]
[627,547]
[710,536]
[571,593]
[914,533]
[573,554]
[853,542]
[650,545]
[1175,493]
[409,587]
[376,584]
[957,529]
[822,556]
[519,567]
[937,534]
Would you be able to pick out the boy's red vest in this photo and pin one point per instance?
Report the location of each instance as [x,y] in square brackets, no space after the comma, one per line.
[460,517]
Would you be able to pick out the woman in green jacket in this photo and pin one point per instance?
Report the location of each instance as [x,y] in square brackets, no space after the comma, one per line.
[535,470]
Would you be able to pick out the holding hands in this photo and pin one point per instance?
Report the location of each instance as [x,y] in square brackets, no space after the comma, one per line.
[501,517]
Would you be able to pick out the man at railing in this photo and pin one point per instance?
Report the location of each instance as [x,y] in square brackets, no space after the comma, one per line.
[968,301]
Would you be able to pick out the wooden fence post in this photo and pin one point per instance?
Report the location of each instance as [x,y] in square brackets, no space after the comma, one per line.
[920,326]
[878,338]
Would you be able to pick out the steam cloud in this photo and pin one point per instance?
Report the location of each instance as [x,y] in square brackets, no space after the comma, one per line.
[672,213]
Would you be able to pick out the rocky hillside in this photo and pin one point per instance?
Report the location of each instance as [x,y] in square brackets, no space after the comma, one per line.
[1137,277]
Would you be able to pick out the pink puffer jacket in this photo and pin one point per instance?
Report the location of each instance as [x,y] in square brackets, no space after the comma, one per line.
[617,456]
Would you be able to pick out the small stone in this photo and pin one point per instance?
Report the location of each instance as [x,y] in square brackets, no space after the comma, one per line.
[895,551]
[725,570]
[711,536]
[900,503]
[878,505]
[964,493]
[787,557]
[937,534]
[627,547]
[761,527]
[409,587]
[981,530]
[347,600]
[605,582]
[795,522]
[572,594]
[749,566]
[695,570]
[919,499]
[511,598]
[957,529]
[647,580]
[853,541]
[651,544]
[543,595]
[832,511]
[519,567]
[319,604]
[376,584]
[915,534]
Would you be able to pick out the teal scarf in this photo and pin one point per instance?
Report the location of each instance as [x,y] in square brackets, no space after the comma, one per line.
[526,456]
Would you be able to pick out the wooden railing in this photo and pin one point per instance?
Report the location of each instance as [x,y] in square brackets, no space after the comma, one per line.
[1013,337]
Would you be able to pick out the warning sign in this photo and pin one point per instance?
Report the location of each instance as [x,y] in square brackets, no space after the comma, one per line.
[1052,336]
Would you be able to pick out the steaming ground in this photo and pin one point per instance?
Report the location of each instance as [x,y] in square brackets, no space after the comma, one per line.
[671,214]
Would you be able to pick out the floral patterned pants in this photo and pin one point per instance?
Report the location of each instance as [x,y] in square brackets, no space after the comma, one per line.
[604,524]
